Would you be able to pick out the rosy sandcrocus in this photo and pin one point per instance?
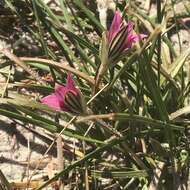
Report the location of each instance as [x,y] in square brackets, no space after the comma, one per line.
[121,36]
[66,98]
[115,44]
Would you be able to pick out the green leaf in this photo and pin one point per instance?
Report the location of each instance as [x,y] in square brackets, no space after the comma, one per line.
[119,174]
[134,118]
[178,63]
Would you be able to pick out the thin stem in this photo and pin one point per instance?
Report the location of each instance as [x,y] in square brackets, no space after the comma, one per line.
[60,159]
[180,48]
[62,65]
[131,117]
[159,20]
[86,168]
[7,82]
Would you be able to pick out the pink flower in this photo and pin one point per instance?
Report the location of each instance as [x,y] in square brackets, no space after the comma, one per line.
[121,36]
[67,98]
[115,26]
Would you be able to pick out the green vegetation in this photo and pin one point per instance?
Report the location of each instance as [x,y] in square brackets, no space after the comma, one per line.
[135,131]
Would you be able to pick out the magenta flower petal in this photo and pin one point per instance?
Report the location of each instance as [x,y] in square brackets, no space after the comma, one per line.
[52,101]
[121,36]
[67,98]
[132,38]
[60,91]
[71,84]
[115,26]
